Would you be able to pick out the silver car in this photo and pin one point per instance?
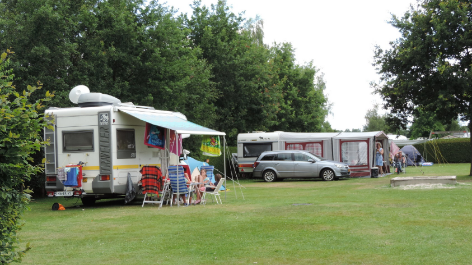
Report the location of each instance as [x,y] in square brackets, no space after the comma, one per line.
[272,165]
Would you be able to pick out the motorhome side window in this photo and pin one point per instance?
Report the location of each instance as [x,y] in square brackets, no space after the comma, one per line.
[77,141]
[254,150]
[125,144]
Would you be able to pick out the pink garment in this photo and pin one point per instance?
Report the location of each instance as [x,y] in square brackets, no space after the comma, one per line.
[393,150]
[175,147]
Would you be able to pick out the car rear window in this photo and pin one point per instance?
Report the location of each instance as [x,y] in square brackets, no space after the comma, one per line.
[284,157]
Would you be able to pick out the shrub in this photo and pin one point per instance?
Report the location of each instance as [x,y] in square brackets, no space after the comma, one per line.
[20,128]
[446,151]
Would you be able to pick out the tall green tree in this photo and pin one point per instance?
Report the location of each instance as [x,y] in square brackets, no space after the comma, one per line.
[124,48]
[261,87]
[374,120]
[423,123]
[429,65]
[239,68]
[21,123]
[303,105]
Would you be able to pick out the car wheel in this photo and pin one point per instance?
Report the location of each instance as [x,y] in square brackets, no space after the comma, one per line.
[269,176]
[327,175]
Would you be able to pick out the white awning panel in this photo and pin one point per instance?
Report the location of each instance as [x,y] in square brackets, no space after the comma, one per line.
[170,120]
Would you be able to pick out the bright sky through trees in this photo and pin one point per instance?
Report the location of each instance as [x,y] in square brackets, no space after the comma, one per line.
[339,36]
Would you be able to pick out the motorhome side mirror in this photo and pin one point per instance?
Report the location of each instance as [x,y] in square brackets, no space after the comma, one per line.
[311,160]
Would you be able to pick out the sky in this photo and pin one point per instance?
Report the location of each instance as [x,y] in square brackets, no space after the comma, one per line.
[338,36]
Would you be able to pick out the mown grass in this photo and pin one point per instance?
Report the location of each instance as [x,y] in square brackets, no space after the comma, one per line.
[353,221]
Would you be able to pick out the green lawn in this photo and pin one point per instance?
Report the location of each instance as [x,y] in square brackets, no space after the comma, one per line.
[352,221]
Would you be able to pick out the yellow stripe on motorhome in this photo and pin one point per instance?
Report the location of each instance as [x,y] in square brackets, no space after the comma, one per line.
[91,168]
[125,166]
[134,166]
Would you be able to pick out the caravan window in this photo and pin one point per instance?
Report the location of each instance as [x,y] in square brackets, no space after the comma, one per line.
[312,147]
[125,143]
[254,150]
[77,141]
[354,153]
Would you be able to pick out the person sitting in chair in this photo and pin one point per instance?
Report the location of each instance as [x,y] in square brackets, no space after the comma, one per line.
[399,159]
[212,186]
[202,179]
[182,196]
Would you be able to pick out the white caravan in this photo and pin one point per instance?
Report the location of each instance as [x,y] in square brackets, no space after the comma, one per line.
[251,145]
[106,137]
[354,149]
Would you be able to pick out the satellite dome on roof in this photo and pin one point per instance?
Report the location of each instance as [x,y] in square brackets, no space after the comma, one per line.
[81,95]
[75,93]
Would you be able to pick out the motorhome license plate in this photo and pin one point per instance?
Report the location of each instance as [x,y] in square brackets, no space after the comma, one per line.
[64,193]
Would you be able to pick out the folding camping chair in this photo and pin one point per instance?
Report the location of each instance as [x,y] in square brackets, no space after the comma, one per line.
[178,183]
[215,193]
[151,182]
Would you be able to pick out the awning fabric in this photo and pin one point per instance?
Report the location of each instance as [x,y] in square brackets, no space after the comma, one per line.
[168,120]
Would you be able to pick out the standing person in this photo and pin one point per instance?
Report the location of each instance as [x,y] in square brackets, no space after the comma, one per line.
[379,157]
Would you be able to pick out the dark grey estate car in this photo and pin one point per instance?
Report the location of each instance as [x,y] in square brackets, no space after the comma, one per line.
[272,165]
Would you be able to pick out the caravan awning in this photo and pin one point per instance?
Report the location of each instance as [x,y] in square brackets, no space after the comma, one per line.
[170,120]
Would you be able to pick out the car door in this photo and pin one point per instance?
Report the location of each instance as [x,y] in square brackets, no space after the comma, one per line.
[304,168]
[284,165]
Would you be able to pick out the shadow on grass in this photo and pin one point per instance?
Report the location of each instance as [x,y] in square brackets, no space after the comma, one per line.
[76,203]
[296,180]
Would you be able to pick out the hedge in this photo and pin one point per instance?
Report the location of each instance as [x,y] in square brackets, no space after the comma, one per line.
[446,151]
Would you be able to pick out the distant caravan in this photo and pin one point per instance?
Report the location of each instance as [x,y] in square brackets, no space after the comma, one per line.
[354,149]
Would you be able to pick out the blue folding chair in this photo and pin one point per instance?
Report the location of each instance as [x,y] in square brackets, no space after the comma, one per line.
[178,183]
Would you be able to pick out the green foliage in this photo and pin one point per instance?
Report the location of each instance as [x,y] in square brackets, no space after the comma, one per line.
[134,52]
[423,123]
[375,121]
[12,204]
[446,150]
[212,67]
[260,88]
[20,126]
[429,66]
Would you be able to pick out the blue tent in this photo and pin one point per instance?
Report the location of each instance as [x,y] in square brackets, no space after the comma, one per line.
[413,156]
[193,163]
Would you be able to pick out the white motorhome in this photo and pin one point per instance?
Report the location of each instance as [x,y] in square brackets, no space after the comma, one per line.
[107,138]
[354,149]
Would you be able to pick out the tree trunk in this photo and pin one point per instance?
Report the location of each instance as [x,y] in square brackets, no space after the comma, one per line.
[470,133]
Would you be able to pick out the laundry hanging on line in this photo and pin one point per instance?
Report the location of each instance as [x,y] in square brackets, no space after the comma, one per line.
[211,145]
